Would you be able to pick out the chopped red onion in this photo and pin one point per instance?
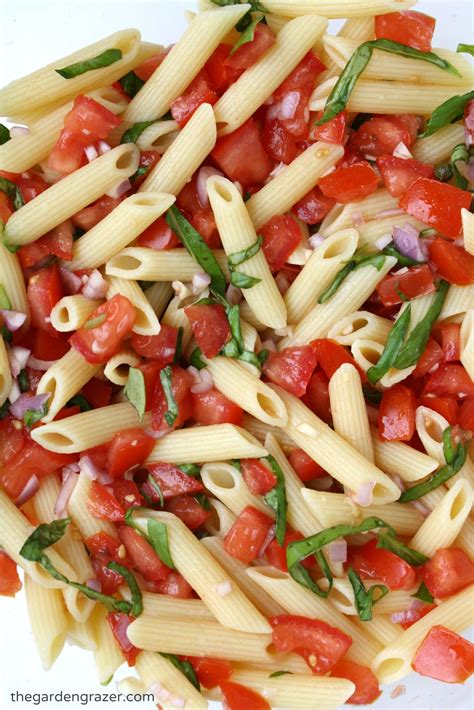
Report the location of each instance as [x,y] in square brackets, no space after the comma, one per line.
[31,487]
[398,482]
[16,131]
[401,151]
[25,403]
[96,286]
[338,551]
[270,536]
[200,282]
[363,496]
[104,478]
[120,189]
[69,483]
[95,585]
[286,108]
[177,701]
[18,357]
[13,319]
[224,588]
[315,240]
[88,468]
[357,218]
[91,153]
[408,243]
[389,213]
[71,282]
[159,691]
[234,294]
[421,508]
[67,470]
[397,691]
[383,241]
[468,137]
[41,365]
[268,344]
[104,147]
[203,381]
[201,183]
[15,392]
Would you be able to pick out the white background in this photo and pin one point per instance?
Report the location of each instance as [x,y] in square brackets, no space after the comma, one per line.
[33,33]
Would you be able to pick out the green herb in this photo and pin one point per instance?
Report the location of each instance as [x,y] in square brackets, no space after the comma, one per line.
[184,666]
[178,352]
[5,304]
[444,172]
[131,84]
[277,674]
[429,232]
[203,500]
[233,316]
[108,681]
[134,132]
[446,113]
[448,448]
[388,542]
[418,338]
[4,409]
[242,280]
[392,348]
[190,469]
[364,599]
[402,259]
[137,602]
[357,262]
[79,401]
[437,479]
[31,416]
[6,334]
[166,382]
[78,233]
[460,154]
[278,502]
[423,594]
[157,488]
[196,359]
[23,381]
[105,59]
[246,36]
[401,295]
[197,247]
[12,191]
[94,322]
[467,48]
[158,536]
[340,94]
[135,390]
[371,395]
[4,134]
[237,464]
[262,356]
[239,257]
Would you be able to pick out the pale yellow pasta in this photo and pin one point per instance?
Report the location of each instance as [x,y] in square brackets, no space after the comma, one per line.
[456,613]
[221,519]
[118,367]
[364,210]
[292,183]
[75,191]
[146,321]
[260,430]
[276,22]
[248,315]
[145,264]
[79,634]
[458,301]
[467,342]
[159,296]
[360,325]
[182,63]
[158,674]
[256,84]
[389,96]
[226,483]
[107,655]
[238,233]
[11,278]
[318,272]
[350,295]
[359,28]
[175,316]
[381,628]
[397,458]
[184,155]
[71,312]
[6,379]
[430,426]
[78,508]
[349,411]
[371,232]
[159,136]
[335,9]
[438,147]
[366,352]
[119,228]
[165,605]
[48,620]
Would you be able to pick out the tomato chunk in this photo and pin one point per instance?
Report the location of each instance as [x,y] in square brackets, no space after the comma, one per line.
[447,572]
[281,235]
[189,510]
[143,557]
[198,92]
[332,355]
[172,481]
[174,586]
[303,74]
[450,341]
[232,152]
[409,27]
[275,553]
[258,478]
[445,656]
[437,204]
[399,173]
[127,493]
[161,347]
[453,263]
[103,505]
[450,379]
[181,382]
[92,215]
[12,440]
[219,75]
[58,242]
[416,281]
[105,549]
[213,407]
[469,117]
[119,623]
[431,357]
[446,406]
[372,562]
[367,686]
[158,236]
[332,131]
[466,415]
[317,396]
[128,448]
[313,207]
[238,697]
[380,135]
[9,580]
[396,419]
[204,222]
[291,368]
[210,671]
[101,335]
[305,468]
[210,327]
[250,52]
[247,535]
[44,291]
[279,144]
[349,184]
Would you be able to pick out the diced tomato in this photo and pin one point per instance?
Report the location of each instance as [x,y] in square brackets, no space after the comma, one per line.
[396,420]
[333,131]
[31,185]
[239,697]
[98,456]
[454,263]
[304,73]
[317,396]
[331,355]
[259,478]
[372,562]
[175,586]
[143,557]
[446,406]
[158,236]
[469,117]
[380,135]
[447,572]
[12,439]
[320,644]
[102,504]
[101,335]
[119,623]
[445,656]
[173,481]
[150,372]
[204,222]
[281,235]
[161,347]
[466,415]
[127,493]
[148,159]
[298,124]
[250,52]
[181,383]
[450,379]
[367,686]
[275,554]
[409,27]
[44,291]
[305,468]
[97,392]
[450,341]
[189,510]
[291,368]
[188,199]
[219,75]
[247,535]
[6,210]
[198,92]
[127,449]
[90,216]
[349,184]
[313,207]
[232,152]
[210,671]
[399,173]
[47,347]
[150,65]
[213,407]
[104,549]
[410,616]
[210,327]
[416,281]
[9,580]
[431,357]
[279,144]
[58,242]
[437,204]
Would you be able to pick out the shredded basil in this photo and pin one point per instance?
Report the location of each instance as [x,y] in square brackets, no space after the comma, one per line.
[80,401]
[158,537]
[444,172]
[242,280]
[31,416]
[364,599]
[446,113]
[402,259]
[357,262]
[4,134]
[395,341]
[6,334]
[423,594]
[166,375]
[460,154]
[137,603]
[4,409]
[131,84]
[5,304]
[239,257]
[23,381]
[448,448]
[12,191]
[190,469]
[262,356]
[276,499]
[236,463]
[157,488]
[203,500]
[184,666]
[246,36]
[135,391]
[178,353]
[466,48]
[196,359]
[413,557]
[277,674]
[105,59]
[134,132]
[340,94]
[371,395]
[437,479]
[94,322]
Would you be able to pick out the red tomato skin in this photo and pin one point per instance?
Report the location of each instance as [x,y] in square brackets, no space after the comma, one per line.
[313,207]
[103,505]
[44,291]
[188,199]
[410,616]
[446,406]
[450,379]
[430,359]
[161,347]
[239,697]
[332,131]
[247,535]
[304,73]
[279,144]
[174,586]
[275,554]
[150,65]
[436,204]
[371,562]
[219,75]
[141,554]
[181,382]
[9,580]
[97,392]
[188,510]
[281,235]
[158,236]
[466,415]
[380,135]
[450,341]
[172,481]
[12,440]
[128,448]
[213,407]
[291,368]
[399,173]
[258,478]
[210,327]
[453,263]
[305,468]
[104,549]
[231,155]
[317,396]
[210,671]
[250,52]
[100,343]
[396,419]
[119,623]
[127,493]
[349,184]
[324,645]
[447,572]
[57,242]
[417,281]
[204,222]
[30,459]
[444,655]
[331,355]
[409,27]
[5,208]
[93,214]
[198,92]
[367,686]
[47,347]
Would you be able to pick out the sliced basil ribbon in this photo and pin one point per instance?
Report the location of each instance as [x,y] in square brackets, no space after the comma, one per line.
[158,538]
[448,449]
[184,666]
[94,322]
[243,280]
[133,133]
[157,488]
[276,499]
[437,479]
[4,134]
[423,594]
[357,262]
[131,84]
[79,401]
[392,348]
[239,257]
[12,191]
[166,375]
[105,59]
[460,154]
[403,260]
[364,599]
[178,353]
[466,48]
[135,391]
[246,36]
[446,113]
[413,557]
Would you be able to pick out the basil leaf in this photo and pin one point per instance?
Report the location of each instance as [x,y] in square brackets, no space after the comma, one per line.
[5,304]
[135,391]
[236,463]
[105,59]
[4,134]
[137,602]
[387,542]
[418,338]
[6,334]
[277,674]
[197,247]
[341,92]
[423,594]
[301,575]
[94,322]
[196,359]
[364,599]
[402,259]
[371,395]
[203,500]
[157,488]
[246,36]
[178,353]
[166,382]
[184,666]
[444,172]
[158,537]
[392,348]
[4,409]
[190,469]
[233,316]
[467,48]
[446,113]
[131,84]
[448,448]
[251,358]
[134,132]
[239,257]
[262,356]
[242,280]
[31,416]
[280,500]
[79,401]
[460,153]
[12,191]
[357,262]
[441,476]
[108,681]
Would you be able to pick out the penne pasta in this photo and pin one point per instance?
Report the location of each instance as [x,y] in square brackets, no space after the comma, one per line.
[334,10]
[71,312]
[48,620]
[142,263]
